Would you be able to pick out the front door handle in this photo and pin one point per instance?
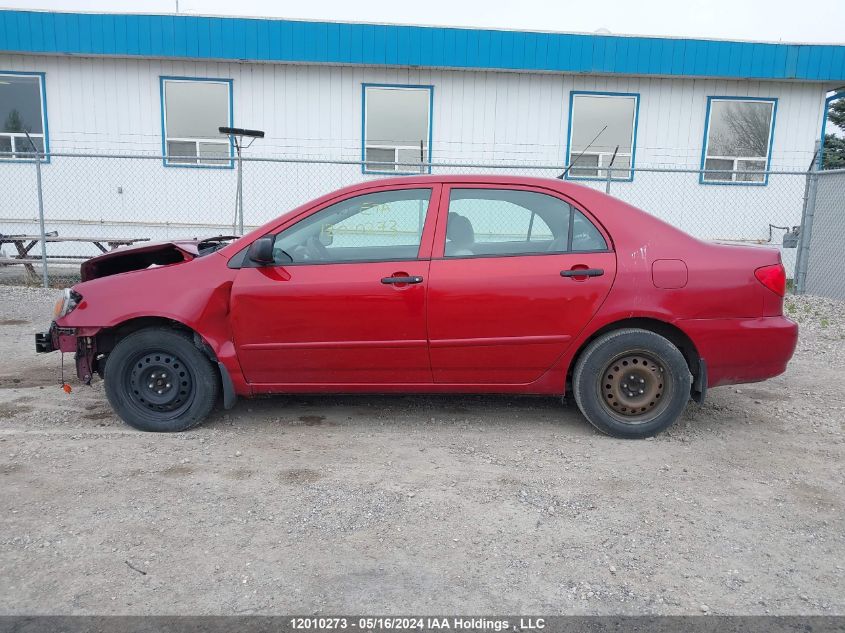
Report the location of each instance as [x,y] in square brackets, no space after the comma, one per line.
[402,280]
[583,272]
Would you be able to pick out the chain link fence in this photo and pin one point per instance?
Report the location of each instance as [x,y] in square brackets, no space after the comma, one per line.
[93,202]
[822,249]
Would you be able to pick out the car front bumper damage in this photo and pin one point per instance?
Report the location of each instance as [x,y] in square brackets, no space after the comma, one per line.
[67,339]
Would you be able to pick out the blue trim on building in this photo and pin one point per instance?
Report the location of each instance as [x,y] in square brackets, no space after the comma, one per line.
[710,99]
[364,87]
[575,93]
[267,40]
[45,125]
[164,78]
[827,102]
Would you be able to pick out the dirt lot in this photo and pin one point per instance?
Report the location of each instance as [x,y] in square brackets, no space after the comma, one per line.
[422,504]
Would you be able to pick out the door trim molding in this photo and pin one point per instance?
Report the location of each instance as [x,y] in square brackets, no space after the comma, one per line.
[500,340]
[332,345]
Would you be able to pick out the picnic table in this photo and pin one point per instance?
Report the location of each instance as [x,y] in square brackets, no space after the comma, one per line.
[25,243]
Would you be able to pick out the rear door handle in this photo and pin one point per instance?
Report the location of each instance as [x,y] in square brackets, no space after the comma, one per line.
[583,272]
[402,280]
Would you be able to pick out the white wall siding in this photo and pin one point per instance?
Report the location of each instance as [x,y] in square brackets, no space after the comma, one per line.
[114,105]
[109,104]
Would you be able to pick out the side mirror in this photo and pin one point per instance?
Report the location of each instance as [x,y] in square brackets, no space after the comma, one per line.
[261,250]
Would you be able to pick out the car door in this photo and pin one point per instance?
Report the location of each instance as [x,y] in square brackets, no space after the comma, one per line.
[344,302]
[516,273]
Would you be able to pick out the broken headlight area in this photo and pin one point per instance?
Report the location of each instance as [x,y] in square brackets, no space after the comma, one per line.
[67,304]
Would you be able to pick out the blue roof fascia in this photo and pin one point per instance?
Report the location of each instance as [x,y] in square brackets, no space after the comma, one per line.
[270,40]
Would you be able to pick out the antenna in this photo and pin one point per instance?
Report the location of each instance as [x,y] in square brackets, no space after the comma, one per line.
[571,163]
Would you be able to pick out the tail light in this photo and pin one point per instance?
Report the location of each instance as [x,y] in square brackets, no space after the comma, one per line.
[773,277]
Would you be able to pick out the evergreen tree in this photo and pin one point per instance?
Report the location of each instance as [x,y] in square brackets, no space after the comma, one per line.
[834,145]
[14,122]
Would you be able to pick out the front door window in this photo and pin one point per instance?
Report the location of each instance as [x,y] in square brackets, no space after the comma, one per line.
[382,226]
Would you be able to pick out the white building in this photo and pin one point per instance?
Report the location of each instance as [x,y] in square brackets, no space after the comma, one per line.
[163,84]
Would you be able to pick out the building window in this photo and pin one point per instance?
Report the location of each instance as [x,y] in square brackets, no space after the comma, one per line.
[397,128]
[22,110]
[738,139]
[602,133]
[192,112]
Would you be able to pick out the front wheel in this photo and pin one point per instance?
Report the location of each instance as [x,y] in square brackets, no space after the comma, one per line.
[631,383]
[157,380]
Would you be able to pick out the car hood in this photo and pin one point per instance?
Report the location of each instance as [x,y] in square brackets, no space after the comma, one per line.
[142,256]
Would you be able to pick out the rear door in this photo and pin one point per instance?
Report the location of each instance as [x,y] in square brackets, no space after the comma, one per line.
[516,274]
[344,304]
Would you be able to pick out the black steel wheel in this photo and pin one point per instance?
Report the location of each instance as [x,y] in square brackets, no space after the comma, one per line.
[631,383]
[634,387]
[158,380]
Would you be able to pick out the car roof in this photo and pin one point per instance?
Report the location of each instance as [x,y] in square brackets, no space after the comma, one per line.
[556,184]
[469,178]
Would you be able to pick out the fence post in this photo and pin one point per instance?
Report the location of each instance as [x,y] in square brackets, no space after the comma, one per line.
[610,170]
[807,216]
[240,194]
[44,277]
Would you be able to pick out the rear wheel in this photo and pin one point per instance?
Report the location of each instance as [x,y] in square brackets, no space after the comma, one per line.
[157,380]
[631,383]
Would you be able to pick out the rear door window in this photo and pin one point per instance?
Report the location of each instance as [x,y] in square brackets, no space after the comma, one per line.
[490,222]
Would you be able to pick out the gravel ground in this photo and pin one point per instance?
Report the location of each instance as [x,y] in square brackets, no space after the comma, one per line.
[423,504]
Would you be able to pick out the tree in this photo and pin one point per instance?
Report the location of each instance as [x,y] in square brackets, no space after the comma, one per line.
[836,113]
[834,152]
[14,122]
[834,144]
[745,131]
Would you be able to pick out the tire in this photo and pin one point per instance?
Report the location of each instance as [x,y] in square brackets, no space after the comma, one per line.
[631,383]
[156,379]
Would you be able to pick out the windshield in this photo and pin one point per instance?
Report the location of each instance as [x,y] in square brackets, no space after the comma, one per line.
[211,244]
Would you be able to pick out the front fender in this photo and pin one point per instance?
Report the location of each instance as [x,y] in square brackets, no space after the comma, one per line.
[193,294]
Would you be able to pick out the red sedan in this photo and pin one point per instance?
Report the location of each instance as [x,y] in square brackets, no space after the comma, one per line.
[447,284]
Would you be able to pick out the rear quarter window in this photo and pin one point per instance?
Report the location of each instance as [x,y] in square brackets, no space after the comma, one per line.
[585,236]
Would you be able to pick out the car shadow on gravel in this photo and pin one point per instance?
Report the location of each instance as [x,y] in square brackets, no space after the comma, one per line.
[367,410]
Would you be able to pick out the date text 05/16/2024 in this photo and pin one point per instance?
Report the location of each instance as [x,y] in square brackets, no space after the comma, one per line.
[415,623]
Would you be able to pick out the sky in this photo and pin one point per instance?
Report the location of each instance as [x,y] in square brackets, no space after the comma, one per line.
[761,20]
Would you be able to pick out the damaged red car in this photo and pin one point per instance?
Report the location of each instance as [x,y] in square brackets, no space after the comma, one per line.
[432,284]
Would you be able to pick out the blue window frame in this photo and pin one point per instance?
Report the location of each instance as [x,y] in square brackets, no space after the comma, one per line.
[738,137]
[192,108]
[827,102]
[396,122]
[23,108]
[602,132]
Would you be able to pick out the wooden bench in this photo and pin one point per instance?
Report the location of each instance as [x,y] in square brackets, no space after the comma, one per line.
[6,261]
[25,243]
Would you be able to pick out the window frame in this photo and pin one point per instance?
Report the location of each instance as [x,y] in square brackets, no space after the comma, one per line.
[439,245]
[568,157]
[829,100]
[364,87]
[45,135]
[223,163]
[705,142]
